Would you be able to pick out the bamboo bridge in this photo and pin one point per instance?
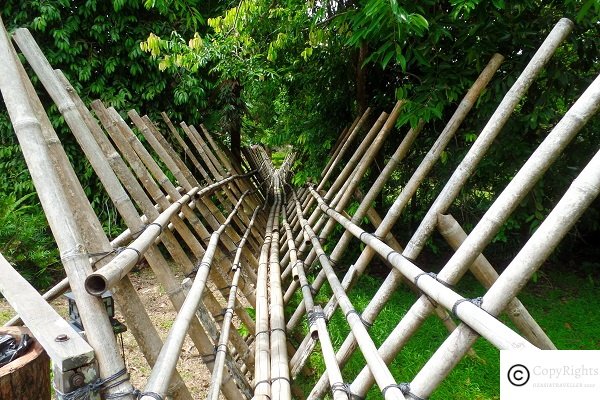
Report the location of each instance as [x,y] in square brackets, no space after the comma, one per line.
[246,238]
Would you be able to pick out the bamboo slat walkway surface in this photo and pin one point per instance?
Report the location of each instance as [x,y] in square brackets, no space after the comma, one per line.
[246,238]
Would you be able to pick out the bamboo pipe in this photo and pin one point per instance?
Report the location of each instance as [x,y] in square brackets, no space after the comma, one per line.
[124,293]
[585,107]
[217,373]
[579,196]
[365,205]
[262,375]
[169,354]
[354,131]
[280,370]
[384,378]
[461,174]
[105,278]
[174,163]
[316,317]
[229,166]
[487,275]
[59,213]
[345,195]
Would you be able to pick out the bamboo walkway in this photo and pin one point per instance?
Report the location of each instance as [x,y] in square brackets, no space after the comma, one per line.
[245,237]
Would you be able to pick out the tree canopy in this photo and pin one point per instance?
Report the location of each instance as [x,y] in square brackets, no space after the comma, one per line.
[296,72]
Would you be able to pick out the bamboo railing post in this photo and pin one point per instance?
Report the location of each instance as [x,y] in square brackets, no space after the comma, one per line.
[59,215]
[461,174]
[578,197]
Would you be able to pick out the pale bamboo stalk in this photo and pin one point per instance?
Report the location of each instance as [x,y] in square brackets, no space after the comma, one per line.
[174,163]
[53,293]
[585,107]
[208,213]
[487,275]
[125,294]
[316,317]
[354,131]
[262,374]
[217,373]
[576,200]
[345,195]
[231,166]
[280,370]
[126,297]
[169,354]
[455,183]
[106,277]
[59,214]
[384,378]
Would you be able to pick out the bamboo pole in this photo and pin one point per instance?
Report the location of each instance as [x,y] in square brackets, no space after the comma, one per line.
[169,354]
[217,373]
[165,276]
[487,275]
[579,196]
[455,183]
[316,317]
[354,131]
[384,378]
[262,375]
[59,215]
[541,159]
[280,370]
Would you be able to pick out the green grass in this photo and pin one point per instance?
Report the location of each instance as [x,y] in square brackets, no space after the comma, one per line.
[563,304]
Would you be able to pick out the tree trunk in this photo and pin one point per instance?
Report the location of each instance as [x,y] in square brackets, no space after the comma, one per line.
[361,79]
[27,377]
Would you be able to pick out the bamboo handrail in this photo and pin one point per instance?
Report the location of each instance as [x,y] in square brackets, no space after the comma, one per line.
[541,159]
[169,354]
[221,349]
[382,374]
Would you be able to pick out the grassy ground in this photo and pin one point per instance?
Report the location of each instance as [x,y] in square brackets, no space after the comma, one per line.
[562,301]
[564,304]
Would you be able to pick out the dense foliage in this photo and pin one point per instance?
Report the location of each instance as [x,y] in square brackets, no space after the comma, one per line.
[296,72]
